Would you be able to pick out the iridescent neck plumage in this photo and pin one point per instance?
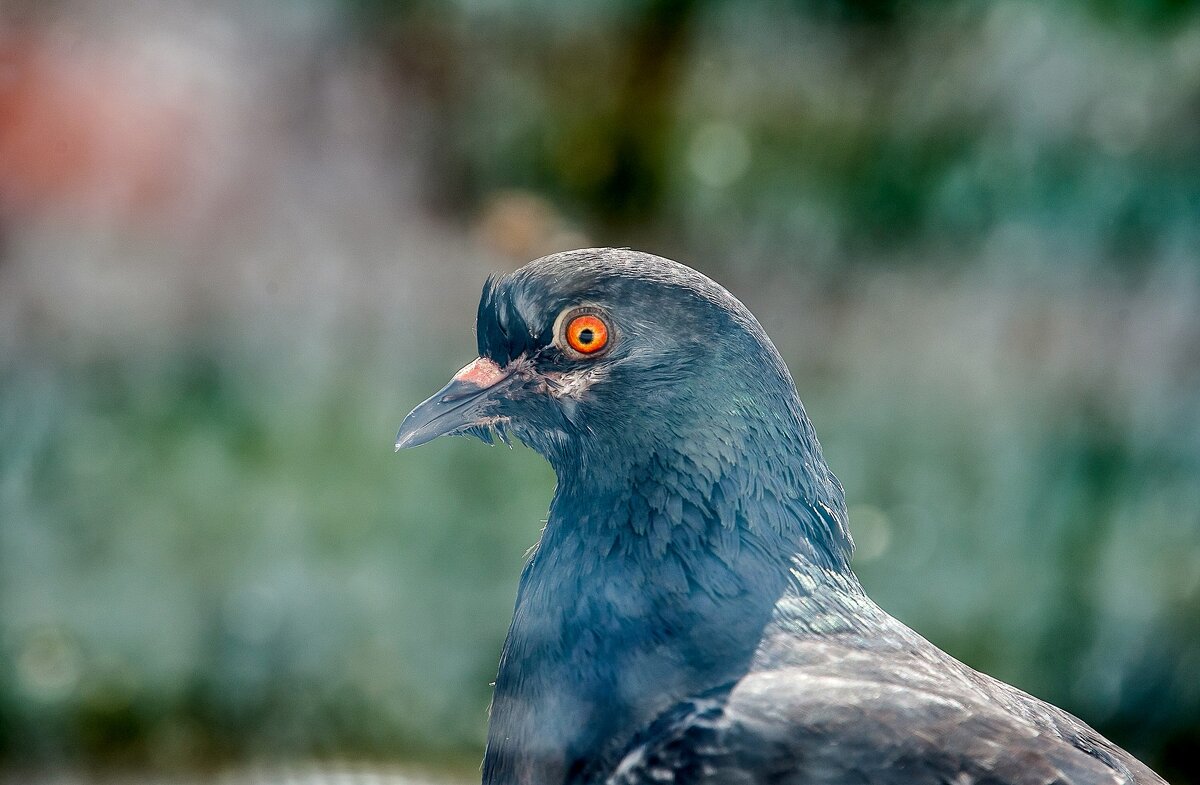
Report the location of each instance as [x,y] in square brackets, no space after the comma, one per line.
[655,578]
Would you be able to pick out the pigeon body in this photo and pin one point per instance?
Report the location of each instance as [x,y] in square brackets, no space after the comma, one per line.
[689,614]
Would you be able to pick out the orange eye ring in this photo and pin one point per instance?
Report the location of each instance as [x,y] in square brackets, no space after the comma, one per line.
[587,333]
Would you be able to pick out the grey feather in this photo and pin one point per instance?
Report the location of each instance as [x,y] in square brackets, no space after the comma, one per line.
[689,615]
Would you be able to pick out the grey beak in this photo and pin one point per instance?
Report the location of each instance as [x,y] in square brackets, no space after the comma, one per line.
[459,405]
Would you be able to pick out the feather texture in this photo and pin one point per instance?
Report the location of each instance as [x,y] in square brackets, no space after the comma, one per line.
[689,614]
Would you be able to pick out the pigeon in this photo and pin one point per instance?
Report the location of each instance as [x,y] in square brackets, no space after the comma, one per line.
[689,613]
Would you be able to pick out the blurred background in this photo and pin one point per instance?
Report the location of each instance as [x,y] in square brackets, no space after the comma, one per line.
[240,240]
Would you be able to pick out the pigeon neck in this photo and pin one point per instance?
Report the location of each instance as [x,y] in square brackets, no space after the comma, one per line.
[737,471]
[659,580]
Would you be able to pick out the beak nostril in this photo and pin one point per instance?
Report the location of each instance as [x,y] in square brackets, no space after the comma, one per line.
[459,393]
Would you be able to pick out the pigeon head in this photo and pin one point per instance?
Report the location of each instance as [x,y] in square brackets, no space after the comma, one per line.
[608,354]
[691,495]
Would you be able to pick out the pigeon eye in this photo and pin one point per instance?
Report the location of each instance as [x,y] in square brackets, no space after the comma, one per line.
[587,333]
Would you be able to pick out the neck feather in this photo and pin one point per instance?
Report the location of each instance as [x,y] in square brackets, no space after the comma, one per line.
[655,579]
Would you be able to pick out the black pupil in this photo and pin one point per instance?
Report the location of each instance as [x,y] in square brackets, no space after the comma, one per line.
[586,335]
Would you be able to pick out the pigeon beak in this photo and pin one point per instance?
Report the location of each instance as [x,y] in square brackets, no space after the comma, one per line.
[456,406]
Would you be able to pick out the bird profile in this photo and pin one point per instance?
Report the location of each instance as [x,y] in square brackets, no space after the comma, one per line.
[689,614]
